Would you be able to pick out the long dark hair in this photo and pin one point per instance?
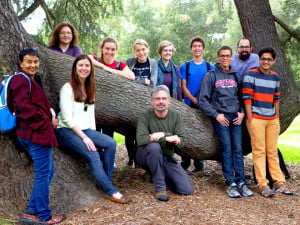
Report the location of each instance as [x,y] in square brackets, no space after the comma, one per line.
[54,38]
[89,83]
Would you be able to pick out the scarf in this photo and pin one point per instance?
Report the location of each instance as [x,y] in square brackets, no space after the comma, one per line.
[170,68]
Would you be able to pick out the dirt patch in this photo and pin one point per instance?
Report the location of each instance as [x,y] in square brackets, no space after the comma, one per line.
[209,203]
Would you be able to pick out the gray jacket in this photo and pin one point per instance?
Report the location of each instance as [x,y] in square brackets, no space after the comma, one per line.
[220,92]
[153,71]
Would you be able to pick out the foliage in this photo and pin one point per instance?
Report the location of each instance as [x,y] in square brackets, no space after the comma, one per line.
[174,20]
[83,14]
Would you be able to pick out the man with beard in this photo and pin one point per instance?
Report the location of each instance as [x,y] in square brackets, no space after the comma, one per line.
[245,59]
[159,131]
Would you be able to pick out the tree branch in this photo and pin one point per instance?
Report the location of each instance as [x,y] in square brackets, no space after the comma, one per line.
[48,13]
[293,33]
[30,10]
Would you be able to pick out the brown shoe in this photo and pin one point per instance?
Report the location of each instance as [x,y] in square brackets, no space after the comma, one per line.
[56,219]
[122,200]
[30,219]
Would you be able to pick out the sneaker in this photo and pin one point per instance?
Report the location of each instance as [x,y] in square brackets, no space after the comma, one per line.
[233,191]
[282,189]
[265,191]
[32,219]
[162,196]
[244,190]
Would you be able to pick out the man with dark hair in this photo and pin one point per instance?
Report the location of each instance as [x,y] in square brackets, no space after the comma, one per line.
[220,98]
[261,89]
[27,99]
[159,132]
[191,74]
[245,59]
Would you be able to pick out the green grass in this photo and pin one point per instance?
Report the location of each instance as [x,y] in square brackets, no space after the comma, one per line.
[119,138]
[289,142]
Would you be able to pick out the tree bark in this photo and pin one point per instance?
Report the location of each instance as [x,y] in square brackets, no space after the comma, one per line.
[118,105]
[258,25]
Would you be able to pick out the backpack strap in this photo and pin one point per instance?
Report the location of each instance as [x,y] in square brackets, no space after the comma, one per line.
[208,68]
[213,78]
[25,75]
[187,68]
[118,67]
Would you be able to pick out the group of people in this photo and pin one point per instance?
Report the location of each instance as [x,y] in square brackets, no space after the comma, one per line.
[236,86]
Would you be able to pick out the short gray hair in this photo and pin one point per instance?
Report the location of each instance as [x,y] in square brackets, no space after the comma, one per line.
[160,88]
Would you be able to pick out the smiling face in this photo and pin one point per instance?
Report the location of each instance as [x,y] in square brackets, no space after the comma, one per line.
[167,52]
[244,49]
[160,101]
[225,57]
[109,51]
[30,64]
[141,52]
[197,49]
[266,61]
[83,69]
[65,35]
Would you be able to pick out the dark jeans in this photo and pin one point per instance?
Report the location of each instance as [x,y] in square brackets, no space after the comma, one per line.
[101,170]
[43,174]
[232,154]
[166,172]
[130,143]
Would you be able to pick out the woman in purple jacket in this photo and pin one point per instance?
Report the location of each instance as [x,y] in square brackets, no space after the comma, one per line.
[167,72]
[64,39]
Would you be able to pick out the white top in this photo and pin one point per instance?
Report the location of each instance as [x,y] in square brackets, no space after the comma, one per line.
[72,113]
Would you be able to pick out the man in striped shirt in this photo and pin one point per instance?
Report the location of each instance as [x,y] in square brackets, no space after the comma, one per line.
[261,97]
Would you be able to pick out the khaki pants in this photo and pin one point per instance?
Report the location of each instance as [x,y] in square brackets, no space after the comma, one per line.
[264,136]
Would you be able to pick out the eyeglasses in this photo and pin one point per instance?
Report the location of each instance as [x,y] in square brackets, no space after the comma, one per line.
[225,56]
[244,47]
[266,59]
[63,33]
[158,98]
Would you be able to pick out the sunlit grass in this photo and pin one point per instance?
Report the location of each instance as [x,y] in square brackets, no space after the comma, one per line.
[119,138]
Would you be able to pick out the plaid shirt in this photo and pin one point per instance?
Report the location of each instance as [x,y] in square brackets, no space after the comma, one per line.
[32,110]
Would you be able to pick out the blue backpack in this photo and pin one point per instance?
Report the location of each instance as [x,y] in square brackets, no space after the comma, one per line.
[8,121]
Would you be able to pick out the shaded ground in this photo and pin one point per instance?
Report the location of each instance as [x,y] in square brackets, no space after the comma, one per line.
[208,205]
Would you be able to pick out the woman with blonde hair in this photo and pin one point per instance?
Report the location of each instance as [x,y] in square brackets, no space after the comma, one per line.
[167,71]
[64,39]
[109,48]
[76,128]
[144,68]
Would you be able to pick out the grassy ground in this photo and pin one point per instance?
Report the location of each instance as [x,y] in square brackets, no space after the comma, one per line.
[289,142]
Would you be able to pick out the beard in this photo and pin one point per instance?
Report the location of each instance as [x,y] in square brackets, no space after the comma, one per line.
[161,108]
[244,55]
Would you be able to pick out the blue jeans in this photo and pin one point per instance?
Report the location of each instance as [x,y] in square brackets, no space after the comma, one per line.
[43,174]
[232,154]
[101,170]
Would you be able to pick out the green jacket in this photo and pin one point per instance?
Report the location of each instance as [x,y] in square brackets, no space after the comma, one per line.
[150,123]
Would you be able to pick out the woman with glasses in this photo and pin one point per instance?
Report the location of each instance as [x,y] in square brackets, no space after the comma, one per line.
[64,39]
[167,72]
[76,128]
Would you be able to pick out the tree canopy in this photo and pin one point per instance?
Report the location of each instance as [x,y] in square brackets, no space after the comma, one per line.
[176,20]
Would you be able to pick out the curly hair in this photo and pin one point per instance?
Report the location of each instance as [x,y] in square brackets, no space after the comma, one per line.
[54,38]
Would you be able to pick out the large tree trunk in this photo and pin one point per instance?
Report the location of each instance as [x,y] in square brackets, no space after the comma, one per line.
[258,25]
[118,104]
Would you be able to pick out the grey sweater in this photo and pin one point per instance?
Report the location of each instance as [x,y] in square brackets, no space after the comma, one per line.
[224,96]
[153,70]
